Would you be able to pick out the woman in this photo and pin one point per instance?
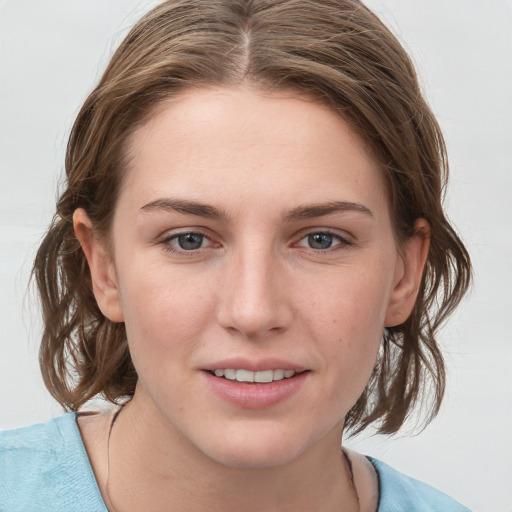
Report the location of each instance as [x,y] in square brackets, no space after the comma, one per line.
[247,256]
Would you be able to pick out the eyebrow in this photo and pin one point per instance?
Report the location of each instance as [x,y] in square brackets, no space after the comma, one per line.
[321,209]
[295,214]
[186,207]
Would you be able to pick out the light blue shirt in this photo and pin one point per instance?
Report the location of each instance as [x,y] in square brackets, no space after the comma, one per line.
[44,468]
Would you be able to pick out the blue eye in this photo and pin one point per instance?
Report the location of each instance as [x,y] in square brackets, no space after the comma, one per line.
[320,240]
[189,244]
[189,241]
[324,241]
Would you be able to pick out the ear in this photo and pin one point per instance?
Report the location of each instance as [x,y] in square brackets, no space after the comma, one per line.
[408,275]
[101,265]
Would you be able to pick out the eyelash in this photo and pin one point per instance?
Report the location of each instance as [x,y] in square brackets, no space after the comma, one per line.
[166,243]
[343,242]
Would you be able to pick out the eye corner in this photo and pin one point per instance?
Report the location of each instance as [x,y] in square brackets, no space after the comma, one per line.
[187,242]
[324,241]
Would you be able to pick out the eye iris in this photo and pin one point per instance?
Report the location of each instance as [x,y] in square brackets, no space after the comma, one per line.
[320,241]
[190,241]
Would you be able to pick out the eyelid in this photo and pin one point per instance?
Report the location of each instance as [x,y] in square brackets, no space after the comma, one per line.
[185,230]
[172,235]
[345,239]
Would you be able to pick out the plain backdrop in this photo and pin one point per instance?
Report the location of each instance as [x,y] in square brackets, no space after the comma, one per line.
[51,55]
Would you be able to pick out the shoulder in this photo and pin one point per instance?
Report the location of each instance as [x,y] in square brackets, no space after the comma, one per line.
[45,467]
[399,492]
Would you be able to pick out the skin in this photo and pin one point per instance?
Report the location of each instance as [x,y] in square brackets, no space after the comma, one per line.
[256,287]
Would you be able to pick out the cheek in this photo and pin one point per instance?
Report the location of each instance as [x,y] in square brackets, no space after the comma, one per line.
[163,312]
[346,319]
[352,304]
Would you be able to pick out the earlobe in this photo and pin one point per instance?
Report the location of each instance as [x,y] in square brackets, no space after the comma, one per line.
[409,276]
[101,266]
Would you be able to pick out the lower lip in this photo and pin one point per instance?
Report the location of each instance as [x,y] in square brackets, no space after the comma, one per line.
[252,395]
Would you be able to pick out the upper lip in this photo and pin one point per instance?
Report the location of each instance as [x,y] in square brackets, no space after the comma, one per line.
[254,365]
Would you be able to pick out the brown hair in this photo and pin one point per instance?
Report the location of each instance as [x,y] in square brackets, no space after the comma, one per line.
[336,51]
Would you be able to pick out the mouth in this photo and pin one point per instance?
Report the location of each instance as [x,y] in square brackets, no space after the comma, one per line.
[261,389]
[248,376]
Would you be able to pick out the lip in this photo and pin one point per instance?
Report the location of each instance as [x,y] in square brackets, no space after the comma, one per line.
[254,395]
[240,363]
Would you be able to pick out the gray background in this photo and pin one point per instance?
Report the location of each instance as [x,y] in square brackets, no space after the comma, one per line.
[51,55]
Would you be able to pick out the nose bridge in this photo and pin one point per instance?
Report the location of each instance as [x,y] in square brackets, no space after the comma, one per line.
[253,301]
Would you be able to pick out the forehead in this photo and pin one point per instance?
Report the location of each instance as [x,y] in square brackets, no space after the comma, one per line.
[213,140]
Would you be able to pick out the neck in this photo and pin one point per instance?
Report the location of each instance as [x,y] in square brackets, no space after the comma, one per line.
[163,467]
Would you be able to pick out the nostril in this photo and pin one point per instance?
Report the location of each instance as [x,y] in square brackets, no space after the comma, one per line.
[251,301]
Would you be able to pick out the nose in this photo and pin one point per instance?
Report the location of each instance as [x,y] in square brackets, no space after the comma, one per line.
[253,300]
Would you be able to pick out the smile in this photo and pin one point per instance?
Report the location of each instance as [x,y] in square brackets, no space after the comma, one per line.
[260,389]
[261,377]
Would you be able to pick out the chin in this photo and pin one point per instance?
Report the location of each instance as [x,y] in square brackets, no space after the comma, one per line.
[251,458]
[263,450]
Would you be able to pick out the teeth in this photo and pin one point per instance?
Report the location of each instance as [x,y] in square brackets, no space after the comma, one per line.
[230,374]
[248,376]
[266,376]
[279,374]
[244,376]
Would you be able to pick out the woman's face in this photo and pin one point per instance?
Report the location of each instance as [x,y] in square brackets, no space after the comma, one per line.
[252,239]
